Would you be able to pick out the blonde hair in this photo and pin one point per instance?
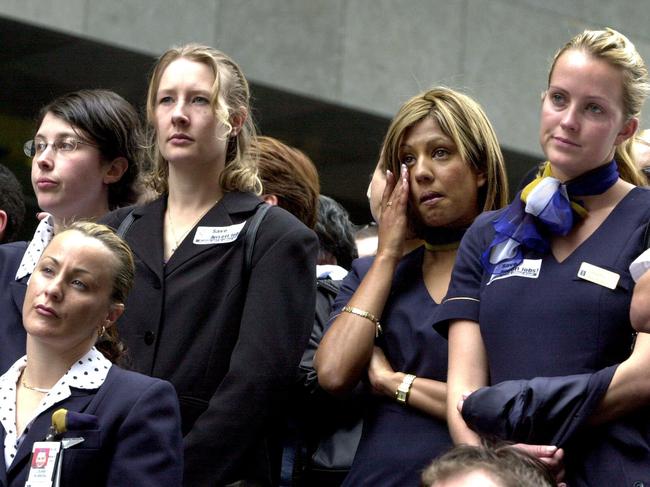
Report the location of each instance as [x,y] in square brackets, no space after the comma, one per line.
[502,463]
[123,272]
[230,96]
[618,51]
[464,121]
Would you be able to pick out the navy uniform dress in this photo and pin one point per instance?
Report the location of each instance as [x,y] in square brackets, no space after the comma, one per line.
[545,320]
[399,441]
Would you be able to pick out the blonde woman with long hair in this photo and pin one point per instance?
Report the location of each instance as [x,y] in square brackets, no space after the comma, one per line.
[228,333]
[542,288]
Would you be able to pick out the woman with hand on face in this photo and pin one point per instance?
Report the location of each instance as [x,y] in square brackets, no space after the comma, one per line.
[226,332]
[542,288]
[445,168]
[129,424]
[375,193]
[86,157]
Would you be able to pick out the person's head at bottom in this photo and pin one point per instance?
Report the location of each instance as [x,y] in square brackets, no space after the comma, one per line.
[486,466]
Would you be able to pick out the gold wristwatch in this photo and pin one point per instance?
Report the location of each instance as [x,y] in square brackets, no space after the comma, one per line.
[402,392]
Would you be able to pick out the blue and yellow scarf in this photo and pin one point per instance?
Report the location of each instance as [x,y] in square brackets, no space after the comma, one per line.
[545,207]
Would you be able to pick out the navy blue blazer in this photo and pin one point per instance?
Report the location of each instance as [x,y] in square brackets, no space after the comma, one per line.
[12,295]
[554,410]
[539,411]
[138,441]
[229,342]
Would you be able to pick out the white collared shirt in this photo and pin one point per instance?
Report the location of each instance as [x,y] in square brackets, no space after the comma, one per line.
[640,265]
[89,372]
[42,236]
[334,272]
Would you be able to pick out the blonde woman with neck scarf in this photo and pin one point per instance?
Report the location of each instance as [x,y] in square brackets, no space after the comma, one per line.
[542,288]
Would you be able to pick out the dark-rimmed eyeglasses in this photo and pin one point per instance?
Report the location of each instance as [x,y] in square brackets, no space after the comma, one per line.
[35,147]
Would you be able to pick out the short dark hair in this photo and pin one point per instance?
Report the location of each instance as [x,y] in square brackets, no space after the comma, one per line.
[290,175]
[12,202]
[335,231]
[110,122]
[504,463]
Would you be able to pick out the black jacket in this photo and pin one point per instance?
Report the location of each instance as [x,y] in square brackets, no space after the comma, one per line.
[230,347]
[137,439]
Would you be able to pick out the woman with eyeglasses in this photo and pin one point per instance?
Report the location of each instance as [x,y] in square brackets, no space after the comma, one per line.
[86,156]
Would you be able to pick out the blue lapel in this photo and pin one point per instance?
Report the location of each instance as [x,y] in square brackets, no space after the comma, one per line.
[3,470]
[18,289]
[77,402]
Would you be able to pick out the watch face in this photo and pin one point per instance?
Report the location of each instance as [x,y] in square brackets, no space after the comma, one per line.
[401,394]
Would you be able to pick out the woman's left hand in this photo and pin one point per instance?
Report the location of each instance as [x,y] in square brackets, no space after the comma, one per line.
[380,372]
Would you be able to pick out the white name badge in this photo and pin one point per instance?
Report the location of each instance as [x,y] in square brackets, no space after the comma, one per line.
[598,275]
[45,467]
[528,268]
[217,235]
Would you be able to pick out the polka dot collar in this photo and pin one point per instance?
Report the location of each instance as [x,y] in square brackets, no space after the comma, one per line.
[42,236]
[89,372]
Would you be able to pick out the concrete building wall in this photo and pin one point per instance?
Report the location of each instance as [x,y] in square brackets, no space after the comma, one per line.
[366,54]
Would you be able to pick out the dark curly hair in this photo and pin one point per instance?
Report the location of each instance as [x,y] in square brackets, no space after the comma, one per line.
[335,232]
[12,202]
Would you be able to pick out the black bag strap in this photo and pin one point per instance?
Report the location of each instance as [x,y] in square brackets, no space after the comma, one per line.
[251,234]
[646,236]
[125,225]
[328,286]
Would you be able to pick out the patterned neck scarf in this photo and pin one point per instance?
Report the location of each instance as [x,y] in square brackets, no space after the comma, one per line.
[546,206]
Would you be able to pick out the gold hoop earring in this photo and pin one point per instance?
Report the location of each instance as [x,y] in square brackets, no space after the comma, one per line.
[102,332]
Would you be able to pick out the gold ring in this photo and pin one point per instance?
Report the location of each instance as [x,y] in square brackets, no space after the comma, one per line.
[390,203]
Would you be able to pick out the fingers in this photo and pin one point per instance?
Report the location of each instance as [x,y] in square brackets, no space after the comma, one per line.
[393,224]
[396,190]
[388,189]
[402,189]
[539,451]
[550,455]
[459,406]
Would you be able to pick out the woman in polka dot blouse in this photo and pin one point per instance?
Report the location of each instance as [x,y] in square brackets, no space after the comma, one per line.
[122,428]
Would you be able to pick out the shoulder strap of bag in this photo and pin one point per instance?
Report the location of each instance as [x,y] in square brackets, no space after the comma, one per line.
[328,286]
[251,234]
[125,225]
[646,236]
